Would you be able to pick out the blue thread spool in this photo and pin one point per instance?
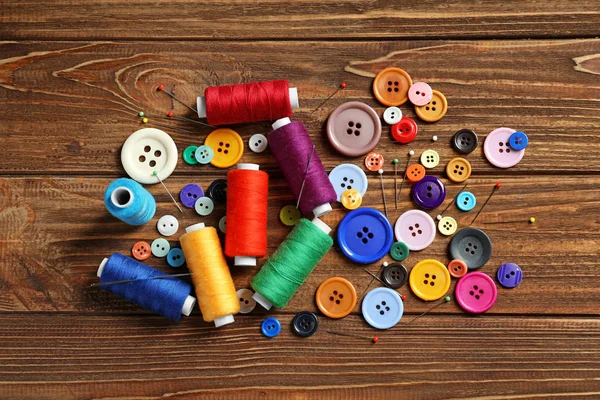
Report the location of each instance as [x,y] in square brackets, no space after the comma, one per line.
[128,201]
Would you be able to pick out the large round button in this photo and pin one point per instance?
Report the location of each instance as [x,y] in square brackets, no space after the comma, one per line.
[415,172]
[258,143]
[415,228]
[382,308]
[354,129]
[167,225]
[289,215]
[336,297]
[146,151]
[227,145]
[472,246]
[217,191]
[270,327]
[348,176]
[374,161]
[395,275]
[351,199]
[305,323]
[466,201]
[175,257]
[465,141]
[430,158]
[435,109]
[497,149]
[457,268]
[447,226]
[420,93]
[429,192]
[391,86]
[247,303]
[204,154]
[429,280]
[405,131]
[365,235]
[509,275]
[204,206]
[399,251]
[518,141]
[141,251]
[392,115]
[189,194]
[160,247]
[189,155]
[458,170]
[476,292]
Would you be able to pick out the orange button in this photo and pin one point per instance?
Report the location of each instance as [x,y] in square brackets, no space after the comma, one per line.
[457,268]
[336,297]
[391,86]
[415,172]
[227,146]
[141,251]
[435,109]
[458,169]
[374,161]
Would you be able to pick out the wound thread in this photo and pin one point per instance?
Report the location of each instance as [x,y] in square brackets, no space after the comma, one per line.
[128,201]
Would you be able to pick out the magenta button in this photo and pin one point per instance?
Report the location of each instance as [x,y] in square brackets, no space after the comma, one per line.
[476,292]
[498,151]
[415,228]
[420,93]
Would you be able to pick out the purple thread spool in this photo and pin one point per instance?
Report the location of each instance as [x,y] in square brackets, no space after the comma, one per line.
[292,147]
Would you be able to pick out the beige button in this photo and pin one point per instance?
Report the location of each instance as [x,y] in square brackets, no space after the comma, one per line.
[247,303]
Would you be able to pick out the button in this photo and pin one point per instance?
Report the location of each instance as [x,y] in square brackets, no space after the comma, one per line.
[497,149]
[204,206]
[395,275]
[518,141]
[458,170]
[348,176]
[160,247]
[354,129]
[247,303]
[336,297]
[141,251]
[399,251]
[391,86]
[374,161]
[429,280]
[476,292]
[351,199]
[465,141]
[415,228]
[258,143]
[270,327]
[382,308]
[415,172]
[189,194]
[472,246]
[148,150]
[305,323]
[175,258]
[435,109]
[289,215]
[189,155]
[457,268]
[466,201]
[420,93]
[227,146]
[217,191]
[405,131]
[204,154]
[429,192]
[509,275]
[223,224]
[447,226]
[392,115]
[430,158]
[167,225]
[365,235]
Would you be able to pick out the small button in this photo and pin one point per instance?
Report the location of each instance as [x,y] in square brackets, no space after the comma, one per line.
[430,159]
[247,303]
[392,115]
[382,308]
[415,172]
[148,150]
[141,251]
[348,176]
[167,225]
[204,206]
[175,258]
[472,246]
[429,192]
[497,149]
[351,199]
[405,131]
[223,224]
[399,251]
[336,297]
[227,145]
[374,161]
[204,154]
[160,247]
[415,228]
[258,143]
[289,215]
[457,268]
[447,226]
[476,292]
[429,280]
[354,129]
[420,93]
[189,155]
[189,194]
[466,201]
[435,109]
[391,86]
[270,327]
[395,275]
[305,324]
[217,191]
[509,275]
[518,141]
[365,235]
[465,141]
[458,170]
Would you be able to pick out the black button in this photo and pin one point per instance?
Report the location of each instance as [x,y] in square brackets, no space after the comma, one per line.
[217,191]
[465,141]
[472,246]
[305,323]
[395,275]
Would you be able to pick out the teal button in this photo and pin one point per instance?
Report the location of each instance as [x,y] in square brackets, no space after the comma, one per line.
[399,251]
[160,247]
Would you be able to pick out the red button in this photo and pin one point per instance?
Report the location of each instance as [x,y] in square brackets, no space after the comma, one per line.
[141,251]
[405,131]
[374,161]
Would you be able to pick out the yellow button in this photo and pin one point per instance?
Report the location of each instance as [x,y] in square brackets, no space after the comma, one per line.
[430,158]
[447,226]
[351,199]
[289,215]
[429,280]
[227,145]
[435,109]
[458,169]
[391,86]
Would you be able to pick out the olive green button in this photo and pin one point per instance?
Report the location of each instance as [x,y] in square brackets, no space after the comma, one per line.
[189,155]
[399,251]
[289,215]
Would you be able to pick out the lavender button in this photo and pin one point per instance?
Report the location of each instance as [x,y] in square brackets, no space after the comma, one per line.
[429,192]
[509,275]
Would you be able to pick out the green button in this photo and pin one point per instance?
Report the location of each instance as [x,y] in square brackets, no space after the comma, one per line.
[189,155]
[399,251]
[160,247]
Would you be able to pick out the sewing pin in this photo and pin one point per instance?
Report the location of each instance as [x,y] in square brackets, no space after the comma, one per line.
[385,264]
[395,162]
[161,182]
[530,220]
[140,280]
[496,187]
[374,339]
[410,154]
[446,300]
[172,117]
[452,202]
[342,86]
[160,89]
[172,92]
[403,297]
[305,173]
[146,121]
[383,191]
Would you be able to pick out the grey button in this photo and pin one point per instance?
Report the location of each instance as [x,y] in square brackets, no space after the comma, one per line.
[472,246]
[395,275]
[465,141]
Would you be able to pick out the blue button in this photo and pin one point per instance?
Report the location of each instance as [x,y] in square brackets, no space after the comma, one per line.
[348,176]
[270,327]
[204,154]
[382,308]
[509,275]
[365,235]
[175,257]
[518,141]
[466,201]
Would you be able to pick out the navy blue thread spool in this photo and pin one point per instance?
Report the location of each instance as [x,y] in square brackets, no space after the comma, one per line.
[128,201]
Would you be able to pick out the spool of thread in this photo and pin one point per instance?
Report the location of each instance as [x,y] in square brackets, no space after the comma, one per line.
[167,297]
[216,293]
[293,261]
[246,229]
[292,147]
[127,200]
[247,102]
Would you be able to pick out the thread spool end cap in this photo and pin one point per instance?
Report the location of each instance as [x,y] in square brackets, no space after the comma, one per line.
[188,305]
[244,261]
[281,122]
[321,225]
[121,197]
[321,210]
[195,227]
[294,97]
[101,267]
[201,106]
[227,319]
[248,166]
[262,300]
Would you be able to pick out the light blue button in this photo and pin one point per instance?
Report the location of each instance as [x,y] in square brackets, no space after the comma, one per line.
[466,201]
[348,176]
[160,247]
[270,327]
[382,308]
[204,154]
[175,258]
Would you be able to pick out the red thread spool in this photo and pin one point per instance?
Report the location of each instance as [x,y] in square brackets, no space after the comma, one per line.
[246,228]
[247,102]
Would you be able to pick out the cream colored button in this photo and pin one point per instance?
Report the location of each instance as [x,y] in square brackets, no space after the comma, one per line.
[430,158]
[247,303]
[447,226]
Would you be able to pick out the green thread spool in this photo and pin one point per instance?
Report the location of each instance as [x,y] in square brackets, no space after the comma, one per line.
[293,261]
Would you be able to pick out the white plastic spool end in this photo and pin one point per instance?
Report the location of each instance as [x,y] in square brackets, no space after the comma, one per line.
[121,197]
[294,97]
[188,305]
[262,300]
[227,319]
[244,261]
[201,106]
[321,225]
[195,227]
[248,166]
[101,267]
[281,122]
[321,210]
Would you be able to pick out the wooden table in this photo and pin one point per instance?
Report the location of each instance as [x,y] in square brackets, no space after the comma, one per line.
[73,76]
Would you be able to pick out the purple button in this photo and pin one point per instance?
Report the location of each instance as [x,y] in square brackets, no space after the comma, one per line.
[509,275]
[189,194]
[415,228]
[429,192]
[476,292]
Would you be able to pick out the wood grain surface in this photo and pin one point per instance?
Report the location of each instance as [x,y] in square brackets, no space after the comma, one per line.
[74,75]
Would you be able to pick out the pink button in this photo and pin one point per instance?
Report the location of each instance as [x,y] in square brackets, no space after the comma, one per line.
[420,93]
[415,228]
[476,292]
[498,151]
[354,129]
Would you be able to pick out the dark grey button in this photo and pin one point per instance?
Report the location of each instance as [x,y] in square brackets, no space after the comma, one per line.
[217,191]
[305,323]
[465,141]
[395,275]
[472,246]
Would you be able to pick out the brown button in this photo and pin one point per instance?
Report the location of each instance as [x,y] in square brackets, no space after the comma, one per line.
[435,109]
[458,170]
[457,268]
[391,86]
[415,172]
[354,129]
[336,297]
[141,251]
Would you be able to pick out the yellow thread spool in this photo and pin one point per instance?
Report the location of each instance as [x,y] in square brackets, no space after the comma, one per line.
[215,291]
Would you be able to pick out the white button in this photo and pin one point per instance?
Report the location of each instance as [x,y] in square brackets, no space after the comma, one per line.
[222,224]
[167,225]
[247,303]
[258,143]
[430,158]
[392,115]
[204,206]
[146,151]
